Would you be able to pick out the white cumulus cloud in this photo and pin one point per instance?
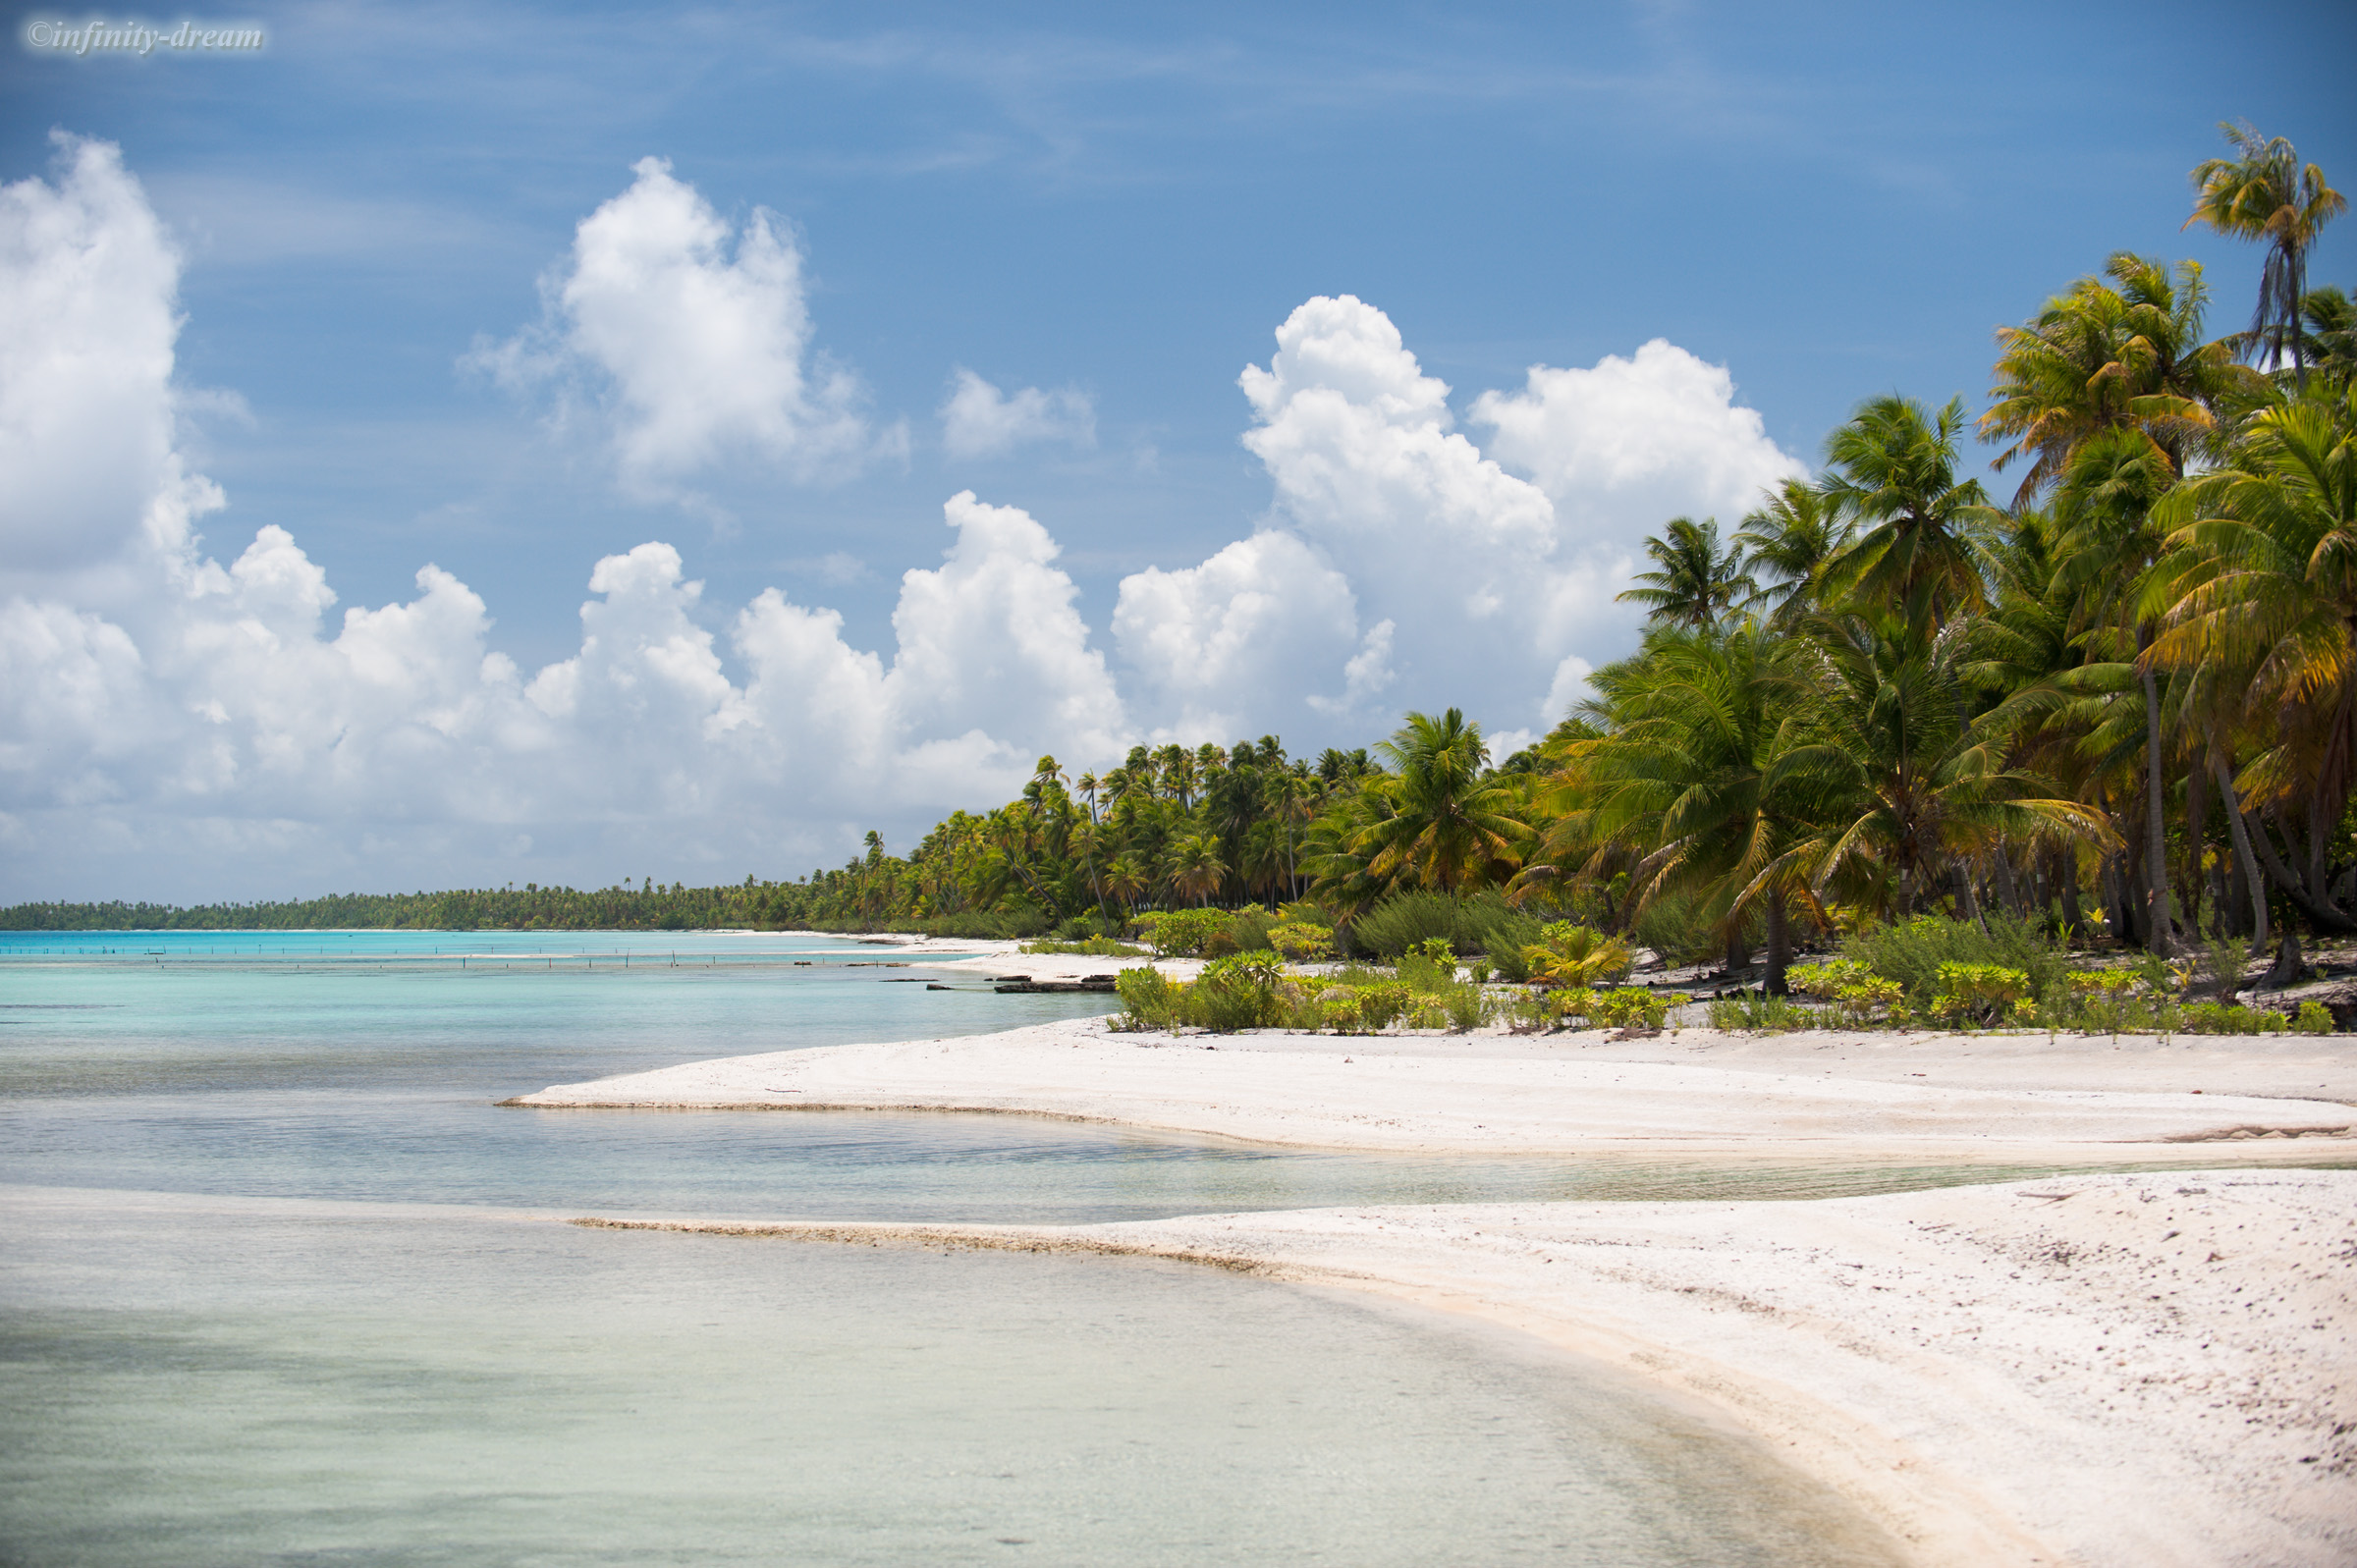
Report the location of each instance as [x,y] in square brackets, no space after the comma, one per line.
[1485,579]
[216,728]
[179,722]
[89,285]
[1622,447]
[978,420]
[1221,647]
[692,338]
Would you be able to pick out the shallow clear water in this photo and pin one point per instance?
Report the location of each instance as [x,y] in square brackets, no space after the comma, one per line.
[278,1284]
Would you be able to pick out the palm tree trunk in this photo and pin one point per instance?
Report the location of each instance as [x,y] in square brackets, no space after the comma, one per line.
[1968,902]
[1780,947]
[2156,847]
[2291,968]
[2244,861]
[2327,917]
[2319,834]
[2119,907]
[2007,891]
[2197,829]
[2062,875]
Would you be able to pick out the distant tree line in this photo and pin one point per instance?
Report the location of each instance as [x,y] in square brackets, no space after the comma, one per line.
[531,907]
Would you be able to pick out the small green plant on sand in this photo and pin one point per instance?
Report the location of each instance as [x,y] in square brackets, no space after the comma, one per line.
[1301,942]
[1429,967]
[1860,997]
[2225,1018]
[1237,991]
[2315,1018]
[1978,994]
[1150,999]
[1760,1013]
[1088,948]
[1527,1010]
[1633,1007]
[1571,954]
[1571,1003]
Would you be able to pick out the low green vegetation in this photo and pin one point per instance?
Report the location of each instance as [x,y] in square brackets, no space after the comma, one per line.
[1427,989]
[1086,946]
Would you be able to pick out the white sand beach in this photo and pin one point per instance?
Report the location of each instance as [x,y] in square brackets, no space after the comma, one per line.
[2004,1099]
[2100,1368]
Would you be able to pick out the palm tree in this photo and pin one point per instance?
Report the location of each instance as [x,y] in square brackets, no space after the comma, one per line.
[1790,535]
[1892,470]
[1288,795]
[1698,583]
[1195,867]
[1126,880]
[2110,392]
[2259,583]
[2104,357]
[2267,194]
[1898,788]
[2332,332]
[2027,656]
[1180,773]
[1693,724]
[2105,508]
[1452,827]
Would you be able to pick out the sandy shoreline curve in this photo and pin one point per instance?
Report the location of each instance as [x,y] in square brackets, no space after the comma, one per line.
[2150,1367]
[1996,1099]
[2115,1371]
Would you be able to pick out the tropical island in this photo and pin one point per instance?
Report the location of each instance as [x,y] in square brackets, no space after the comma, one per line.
[2115,710]
[1994,856]
[2062,784]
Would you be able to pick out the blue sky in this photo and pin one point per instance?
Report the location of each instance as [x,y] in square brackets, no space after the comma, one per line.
[1116,206]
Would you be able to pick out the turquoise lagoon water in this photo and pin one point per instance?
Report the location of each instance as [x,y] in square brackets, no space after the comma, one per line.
[279,1284]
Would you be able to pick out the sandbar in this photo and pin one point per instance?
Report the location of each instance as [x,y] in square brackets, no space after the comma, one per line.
[2148,1366]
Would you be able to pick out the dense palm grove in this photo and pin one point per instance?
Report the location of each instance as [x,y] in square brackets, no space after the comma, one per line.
[2123,698]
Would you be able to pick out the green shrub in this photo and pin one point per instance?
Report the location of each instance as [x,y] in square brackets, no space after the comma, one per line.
[1468,1007]
[1527,1011]
[1632,1007]
[1338,1010]
[1237,991]
[1301,941]
[2226,1018]
[1382,1003]
[1982,994]
[1669,926]
[1574,1001]
[1150,999]
[1091,948]
[1402,920]
[1182,932]
[1912,952]
[2315,1018]
[1758,1011]
[1482,923]
[1860,997]
[1568,954]
[1430,966]
[1488,924]
[1219,944]
[1249,929]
